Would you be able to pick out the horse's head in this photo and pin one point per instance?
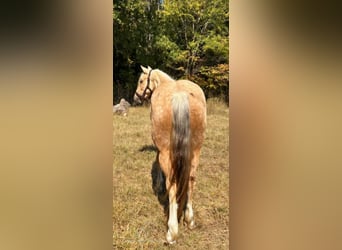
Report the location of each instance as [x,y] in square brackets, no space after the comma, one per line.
[147,83]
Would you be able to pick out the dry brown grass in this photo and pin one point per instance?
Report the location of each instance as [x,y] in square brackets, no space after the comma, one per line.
[138,218]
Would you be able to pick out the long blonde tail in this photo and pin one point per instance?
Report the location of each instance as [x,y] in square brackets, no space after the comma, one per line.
[180,148]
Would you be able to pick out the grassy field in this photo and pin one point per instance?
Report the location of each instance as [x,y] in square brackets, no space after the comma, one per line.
[138,218]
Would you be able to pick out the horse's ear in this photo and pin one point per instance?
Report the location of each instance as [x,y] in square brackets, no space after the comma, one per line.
[145,70]
[149,68]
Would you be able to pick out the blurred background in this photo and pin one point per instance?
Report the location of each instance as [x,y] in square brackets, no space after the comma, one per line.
[56,124]
[285,120]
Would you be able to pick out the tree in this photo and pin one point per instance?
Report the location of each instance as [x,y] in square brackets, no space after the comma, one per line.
[134,25]
[194,33]
[187,39]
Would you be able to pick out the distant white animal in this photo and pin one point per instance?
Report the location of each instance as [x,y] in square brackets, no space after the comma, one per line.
[122,107]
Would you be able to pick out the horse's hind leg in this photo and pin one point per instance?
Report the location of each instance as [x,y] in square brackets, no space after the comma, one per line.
[172,223]
[189,213]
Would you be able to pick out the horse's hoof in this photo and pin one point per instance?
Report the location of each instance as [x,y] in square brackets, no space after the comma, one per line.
[170,240]
[191,225]
[166,243]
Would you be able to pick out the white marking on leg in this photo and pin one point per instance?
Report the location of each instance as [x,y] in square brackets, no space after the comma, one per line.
[172,232]
[189,215]
[172,224]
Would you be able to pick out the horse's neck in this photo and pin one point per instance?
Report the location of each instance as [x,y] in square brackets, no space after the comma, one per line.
[163,77]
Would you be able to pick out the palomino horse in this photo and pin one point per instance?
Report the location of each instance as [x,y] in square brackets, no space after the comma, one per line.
[178,116]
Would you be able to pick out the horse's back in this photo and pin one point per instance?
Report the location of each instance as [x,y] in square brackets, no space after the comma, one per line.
[164,93]
[192,88]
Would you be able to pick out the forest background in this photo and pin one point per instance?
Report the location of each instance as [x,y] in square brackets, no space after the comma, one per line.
[186,39]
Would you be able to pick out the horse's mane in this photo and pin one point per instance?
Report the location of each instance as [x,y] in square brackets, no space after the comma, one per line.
[164,76]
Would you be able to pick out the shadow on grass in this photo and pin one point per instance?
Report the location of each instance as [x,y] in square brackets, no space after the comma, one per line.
[159,186]
[150,148]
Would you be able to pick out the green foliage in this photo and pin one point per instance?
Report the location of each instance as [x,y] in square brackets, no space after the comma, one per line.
[187,39]
[214,80]
[215,50]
